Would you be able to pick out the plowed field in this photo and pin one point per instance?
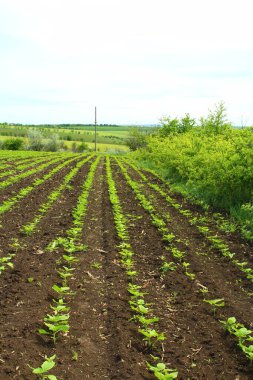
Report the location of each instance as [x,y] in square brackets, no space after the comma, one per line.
[138,269]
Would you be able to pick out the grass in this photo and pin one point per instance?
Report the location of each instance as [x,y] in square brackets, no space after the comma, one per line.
[109,138]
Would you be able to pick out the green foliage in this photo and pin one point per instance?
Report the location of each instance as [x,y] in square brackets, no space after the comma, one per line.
[161,372]
[151,336]
[82,147]
[12,144]
[35,139]
[216,121]
[213,163]
[242,334]
[5,262]
[174,126]
[218,302]
[136,139]
[43,370]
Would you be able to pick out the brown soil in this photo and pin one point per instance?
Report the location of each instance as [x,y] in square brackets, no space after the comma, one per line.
[103,343]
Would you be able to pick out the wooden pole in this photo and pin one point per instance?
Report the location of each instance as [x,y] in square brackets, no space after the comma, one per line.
[95,129]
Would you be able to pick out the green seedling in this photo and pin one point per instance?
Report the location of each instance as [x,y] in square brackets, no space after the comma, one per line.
[168,267]
[188,274]
[5,262]
[134,291]
[186,213]
[62,290]
[30,280]
[55,323]
[230,324]
[16,245]
[57,318]
[168,237]
[74,356]
[132,273]
[219,302]
[243,335]
[43,370]
[203,229]
[28,229]
[151,336]
[162,373]
[145,321]
[70,259]
[60,306]
[248,350]
[96,265]
[65,273]
[203,290]
[139,306]
[177,254]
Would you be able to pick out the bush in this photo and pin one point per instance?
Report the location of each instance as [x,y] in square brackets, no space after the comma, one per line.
[216,168]
[136,139]
[35,140]
[82,147]
[12,144]
[52,144]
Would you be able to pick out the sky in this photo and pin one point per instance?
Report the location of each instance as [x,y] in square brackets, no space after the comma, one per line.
[135,60]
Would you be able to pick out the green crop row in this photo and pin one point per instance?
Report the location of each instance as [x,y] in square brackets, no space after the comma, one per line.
[52,197]
[23,166]
[160,224]
[202,226]
[24,192]
[137,302]
[57,321]
[18,177]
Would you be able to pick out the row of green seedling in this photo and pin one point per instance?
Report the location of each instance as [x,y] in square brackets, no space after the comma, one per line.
[23,166]
[160,224]
[7,205]
[16,178]
[29,228]
[221,222]
[142,311]
[24,192]
[244,336]
[7,157]
[201,225]
[57,322]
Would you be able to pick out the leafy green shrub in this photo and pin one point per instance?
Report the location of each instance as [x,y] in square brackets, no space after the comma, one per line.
[12,144]
[212,162]
[136,139]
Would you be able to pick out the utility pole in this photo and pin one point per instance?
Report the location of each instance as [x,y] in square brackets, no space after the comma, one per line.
[95,129]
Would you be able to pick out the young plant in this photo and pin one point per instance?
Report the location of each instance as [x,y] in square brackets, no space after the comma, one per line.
[60,306]
[96,265]
[218,302]
[55,324]
[188,274]
[242,334]
[162,373]
[151,336]
[168,267]
[145,322]
[5,262]
[43,370]
[62,290]
[139,306]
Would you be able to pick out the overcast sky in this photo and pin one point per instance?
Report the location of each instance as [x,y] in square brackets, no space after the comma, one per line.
[136,60]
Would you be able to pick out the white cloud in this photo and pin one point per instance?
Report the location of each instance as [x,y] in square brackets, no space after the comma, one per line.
[135,60]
